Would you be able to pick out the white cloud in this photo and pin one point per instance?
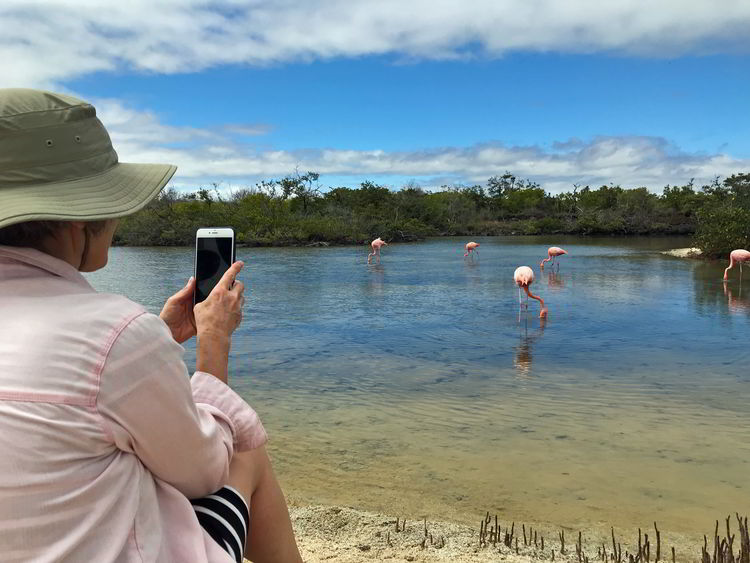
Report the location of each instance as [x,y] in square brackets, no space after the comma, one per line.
[217,155]
[45,42]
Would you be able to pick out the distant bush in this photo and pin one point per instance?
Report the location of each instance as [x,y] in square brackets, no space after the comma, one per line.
[724,217]
[296,211]
[722,230]
[551,225]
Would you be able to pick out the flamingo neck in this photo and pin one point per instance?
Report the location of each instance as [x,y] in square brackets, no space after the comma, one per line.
[532,296]
[731,265]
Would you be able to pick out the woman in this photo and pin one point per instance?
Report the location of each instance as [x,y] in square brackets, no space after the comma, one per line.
[109,450]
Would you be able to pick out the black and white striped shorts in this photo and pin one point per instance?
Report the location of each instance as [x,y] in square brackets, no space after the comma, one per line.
[226,517]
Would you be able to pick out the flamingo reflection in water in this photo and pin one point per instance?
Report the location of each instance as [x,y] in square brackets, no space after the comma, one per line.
[736,303]
[522,359]
[555,280]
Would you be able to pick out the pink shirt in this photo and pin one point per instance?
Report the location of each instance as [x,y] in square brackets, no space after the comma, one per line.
[103,434]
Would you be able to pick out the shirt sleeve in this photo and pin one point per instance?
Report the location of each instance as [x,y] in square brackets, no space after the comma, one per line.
[184,430]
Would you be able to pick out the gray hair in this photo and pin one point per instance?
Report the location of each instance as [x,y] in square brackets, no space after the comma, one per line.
[33,233]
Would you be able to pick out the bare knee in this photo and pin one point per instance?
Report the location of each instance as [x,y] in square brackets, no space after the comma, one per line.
[247,469]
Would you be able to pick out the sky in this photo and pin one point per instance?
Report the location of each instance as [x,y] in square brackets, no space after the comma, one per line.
[421,92]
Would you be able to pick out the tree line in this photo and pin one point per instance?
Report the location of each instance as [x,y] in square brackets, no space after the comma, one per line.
[296,210]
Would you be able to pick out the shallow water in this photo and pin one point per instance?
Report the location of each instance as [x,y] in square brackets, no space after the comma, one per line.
[416,387]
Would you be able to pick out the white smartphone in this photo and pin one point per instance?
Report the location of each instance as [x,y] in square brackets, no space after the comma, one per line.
[214,253]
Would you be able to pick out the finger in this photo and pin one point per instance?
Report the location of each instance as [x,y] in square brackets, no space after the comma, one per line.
[238,288]
[227,279]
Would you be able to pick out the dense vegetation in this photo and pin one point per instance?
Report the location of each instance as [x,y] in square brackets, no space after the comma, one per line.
[295,211]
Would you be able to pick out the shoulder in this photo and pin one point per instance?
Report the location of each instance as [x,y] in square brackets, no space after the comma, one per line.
[140,325]
[141,328]
[101,315]
[114,320]
[143,345]
[118,304]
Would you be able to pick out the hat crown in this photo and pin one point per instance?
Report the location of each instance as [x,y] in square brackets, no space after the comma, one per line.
[48,137]
[57,163]
[19,105]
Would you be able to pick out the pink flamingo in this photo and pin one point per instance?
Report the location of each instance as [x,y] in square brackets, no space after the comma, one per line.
[552,253]
[524,276]
[471,247]
[736,257]
[376,244]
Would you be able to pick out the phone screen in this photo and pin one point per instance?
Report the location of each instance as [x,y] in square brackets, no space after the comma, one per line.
[213,258]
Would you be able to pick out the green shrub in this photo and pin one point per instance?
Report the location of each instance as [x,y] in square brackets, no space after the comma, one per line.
[722,229]
[294,211]
[550,225]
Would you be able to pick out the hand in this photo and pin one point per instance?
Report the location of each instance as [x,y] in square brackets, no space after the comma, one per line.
[221,312]
[178,313]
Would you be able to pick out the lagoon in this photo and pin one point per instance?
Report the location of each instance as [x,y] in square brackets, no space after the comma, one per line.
[416,388]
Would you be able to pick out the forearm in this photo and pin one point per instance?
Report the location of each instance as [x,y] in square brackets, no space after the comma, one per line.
[212,355]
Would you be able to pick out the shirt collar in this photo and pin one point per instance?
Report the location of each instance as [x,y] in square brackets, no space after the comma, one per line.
[44,261]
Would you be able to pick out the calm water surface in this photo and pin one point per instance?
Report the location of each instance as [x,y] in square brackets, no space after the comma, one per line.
[415,387]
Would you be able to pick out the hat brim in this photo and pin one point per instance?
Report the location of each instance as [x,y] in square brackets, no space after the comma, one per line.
[121,190]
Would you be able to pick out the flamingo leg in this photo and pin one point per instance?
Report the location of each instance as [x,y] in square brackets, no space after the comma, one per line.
[521,304]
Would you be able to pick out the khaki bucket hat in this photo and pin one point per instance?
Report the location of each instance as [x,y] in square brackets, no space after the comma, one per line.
[57,163]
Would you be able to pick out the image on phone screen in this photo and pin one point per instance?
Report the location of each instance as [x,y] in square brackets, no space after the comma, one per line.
[213,258]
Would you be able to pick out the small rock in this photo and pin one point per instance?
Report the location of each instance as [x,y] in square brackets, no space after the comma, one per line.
[363,547]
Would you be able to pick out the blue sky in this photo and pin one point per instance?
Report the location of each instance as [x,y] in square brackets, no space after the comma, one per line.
[701,103]
[397,94]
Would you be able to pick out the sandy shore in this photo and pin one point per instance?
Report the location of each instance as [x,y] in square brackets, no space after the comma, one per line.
[336,533]
[683,252]
[328,533]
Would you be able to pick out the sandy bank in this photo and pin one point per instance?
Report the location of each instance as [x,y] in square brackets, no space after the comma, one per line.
[335,533]
[683,252]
